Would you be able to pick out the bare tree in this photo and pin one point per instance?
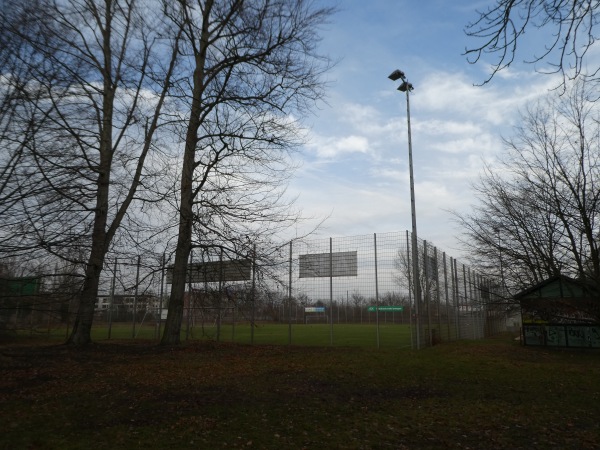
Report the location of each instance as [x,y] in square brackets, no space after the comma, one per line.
[253,68]
[569,26]
[538,211]
[429,268]
[20,103]
[99,73]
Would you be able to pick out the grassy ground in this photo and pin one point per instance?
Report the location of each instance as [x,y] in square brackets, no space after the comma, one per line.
[313,334]
[365,335]
[208,395]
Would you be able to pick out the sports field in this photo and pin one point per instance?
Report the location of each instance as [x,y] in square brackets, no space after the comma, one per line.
[355,335]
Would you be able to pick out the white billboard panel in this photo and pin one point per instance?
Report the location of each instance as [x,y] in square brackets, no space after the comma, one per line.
[339,264]
[215,271]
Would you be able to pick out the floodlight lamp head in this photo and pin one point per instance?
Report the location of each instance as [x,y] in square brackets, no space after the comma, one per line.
[405,86]
[396,75]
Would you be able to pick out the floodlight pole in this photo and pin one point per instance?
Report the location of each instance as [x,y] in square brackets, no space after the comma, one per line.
[407,87]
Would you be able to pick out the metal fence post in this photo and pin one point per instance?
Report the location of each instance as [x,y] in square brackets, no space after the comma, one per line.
[135,295]
[437,292]
[253,311]
[220,296]
[427,292]
[112,298]
[160,300]
[446,293]
[331,290]
[455,293]
[290,298]
[376,289]
[465,287]
[189,296]
[472,299]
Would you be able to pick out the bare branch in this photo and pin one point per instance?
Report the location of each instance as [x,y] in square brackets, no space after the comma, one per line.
[568,24]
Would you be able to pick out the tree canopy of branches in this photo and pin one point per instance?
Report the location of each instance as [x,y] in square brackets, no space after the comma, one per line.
[570,27]
[100,99]
[539,210]
[252,68]
[83,97]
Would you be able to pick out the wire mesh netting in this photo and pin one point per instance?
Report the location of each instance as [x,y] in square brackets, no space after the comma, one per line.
[357,290]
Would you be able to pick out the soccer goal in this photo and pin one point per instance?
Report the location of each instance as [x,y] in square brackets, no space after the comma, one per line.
[316,318]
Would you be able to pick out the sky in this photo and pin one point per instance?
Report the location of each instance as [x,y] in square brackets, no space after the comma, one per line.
[354,167]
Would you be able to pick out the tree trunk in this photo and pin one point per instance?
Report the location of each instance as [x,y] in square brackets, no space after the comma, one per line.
[81,333]
[172,331]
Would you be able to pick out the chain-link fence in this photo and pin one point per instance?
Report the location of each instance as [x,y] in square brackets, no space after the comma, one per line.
[370,279]
[337,291]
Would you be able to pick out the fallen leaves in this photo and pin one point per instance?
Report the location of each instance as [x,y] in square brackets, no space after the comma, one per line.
[229,396]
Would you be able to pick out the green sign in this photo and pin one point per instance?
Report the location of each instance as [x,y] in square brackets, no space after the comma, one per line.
[18,287]
[387,308]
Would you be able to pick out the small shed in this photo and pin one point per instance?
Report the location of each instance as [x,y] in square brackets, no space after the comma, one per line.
[560,312]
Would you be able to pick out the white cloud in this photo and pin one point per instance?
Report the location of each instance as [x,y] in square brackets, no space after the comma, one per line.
[479,143]
[497,105]
[357,161]
[332,147]
[448,127]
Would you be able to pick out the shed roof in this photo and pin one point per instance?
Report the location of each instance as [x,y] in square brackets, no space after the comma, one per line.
[559,286]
